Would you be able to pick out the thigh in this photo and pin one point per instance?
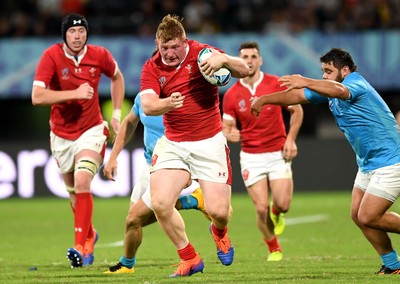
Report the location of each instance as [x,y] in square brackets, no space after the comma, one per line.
[142,185]
[258,192]
[217,196]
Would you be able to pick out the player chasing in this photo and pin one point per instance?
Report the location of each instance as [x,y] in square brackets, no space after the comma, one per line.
[372,131]
[267,150]
[67,79]
[193,146]
[140,211]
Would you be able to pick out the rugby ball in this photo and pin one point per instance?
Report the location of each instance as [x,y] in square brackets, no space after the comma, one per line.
[220,77]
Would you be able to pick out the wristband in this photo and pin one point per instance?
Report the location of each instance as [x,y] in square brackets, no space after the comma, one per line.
[116,114]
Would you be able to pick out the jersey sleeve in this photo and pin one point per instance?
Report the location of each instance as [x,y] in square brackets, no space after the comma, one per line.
[314,97]
[355,87]
[148,79]
[136,106]
[109,65]
[45,70]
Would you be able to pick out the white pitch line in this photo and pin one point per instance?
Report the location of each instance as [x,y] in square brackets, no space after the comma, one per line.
[289,221]
[306,219]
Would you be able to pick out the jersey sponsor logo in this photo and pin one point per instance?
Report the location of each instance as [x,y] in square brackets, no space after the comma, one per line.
[92,72]
[189,68]
[242,105]
[162,80]
[65,74]
[78,70]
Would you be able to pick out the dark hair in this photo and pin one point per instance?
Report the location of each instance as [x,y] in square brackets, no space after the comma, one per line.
[249,44]
[73,20]
[339,58]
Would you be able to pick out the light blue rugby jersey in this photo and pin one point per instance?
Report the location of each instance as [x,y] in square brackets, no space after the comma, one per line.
[367,123]
[153,129]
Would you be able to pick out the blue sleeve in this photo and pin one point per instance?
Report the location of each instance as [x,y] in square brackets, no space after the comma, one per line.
[355,85]
[314,97]
[136,106]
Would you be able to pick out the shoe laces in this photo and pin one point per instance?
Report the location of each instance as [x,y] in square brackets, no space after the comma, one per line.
[223,244]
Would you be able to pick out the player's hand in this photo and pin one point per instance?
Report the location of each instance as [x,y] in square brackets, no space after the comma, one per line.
[292,82]
[256,106]
[176,100]
[115,124]
[213,63]
[234,135]
[289,150]
[84,92]
[110,169]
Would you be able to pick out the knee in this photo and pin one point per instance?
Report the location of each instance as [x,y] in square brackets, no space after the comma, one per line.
[262,210]
[282,205]
[220,214]
[133,222]
[366,220]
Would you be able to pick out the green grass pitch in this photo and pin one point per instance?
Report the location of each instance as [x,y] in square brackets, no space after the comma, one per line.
[320,244]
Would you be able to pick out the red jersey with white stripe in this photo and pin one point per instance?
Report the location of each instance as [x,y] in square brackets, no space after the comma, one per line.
[267,133]
[60,71]
[200,117]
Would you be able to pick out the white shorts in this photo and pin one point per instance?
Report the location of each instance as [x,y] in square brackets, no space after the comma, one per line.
[271,165]
[64,150]
[383,182]
[142,188]
[206,159]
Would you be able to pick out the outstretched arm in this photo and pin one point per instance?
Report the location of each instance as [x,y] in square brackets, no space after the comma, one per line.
[326,88]
[283,98]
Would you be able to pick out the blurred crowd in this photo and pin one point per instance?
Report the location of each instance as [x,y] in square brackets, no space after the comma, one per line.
[25,18]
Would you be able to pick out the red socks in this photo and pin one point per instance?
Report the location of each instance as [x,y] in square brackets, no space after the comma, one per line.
[187,252]
[217,232]
[273,244]
[83,217]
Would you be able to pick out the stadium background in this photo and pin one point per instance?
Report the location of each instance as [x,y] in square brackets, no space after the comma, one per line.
[292,35]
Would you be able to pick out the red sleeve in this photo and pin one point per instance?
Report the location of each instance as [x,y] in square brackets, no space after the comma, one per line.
[45,69]
[228,102]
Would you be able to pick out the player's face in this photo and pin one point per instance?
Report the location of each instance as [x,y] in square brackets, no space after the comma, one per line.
[173,52]
[252,58]
[330,72]
[76,39]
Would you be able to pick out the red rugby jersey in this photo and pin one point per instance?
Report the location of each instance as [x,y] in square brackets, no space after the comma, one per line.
[58,70]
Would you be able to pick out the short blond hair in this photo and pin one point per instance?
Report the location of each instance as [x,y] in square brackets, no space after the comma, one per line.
[170,28]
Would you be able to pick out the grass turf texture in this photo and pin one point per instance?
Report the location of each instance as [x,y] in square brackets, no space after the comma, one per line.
[37,232]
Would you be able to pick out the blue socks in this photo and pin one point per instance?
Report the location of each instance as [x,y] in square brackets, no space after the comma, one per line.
[188,202]
[390,260]
[128,262]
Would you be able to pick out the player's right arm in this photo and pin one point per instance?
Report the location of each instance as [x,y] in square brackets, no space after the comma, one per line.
[153,105]
[125,134]
[43,96]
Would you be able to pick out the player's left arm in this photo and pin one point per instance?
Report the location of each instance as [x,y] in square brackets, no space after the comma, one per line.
[326,88]
[117,97]
[235,64]
[296,120]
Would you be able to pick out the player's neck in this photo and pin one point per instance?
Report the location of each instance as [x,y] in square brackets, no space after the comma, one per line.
[250,80]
